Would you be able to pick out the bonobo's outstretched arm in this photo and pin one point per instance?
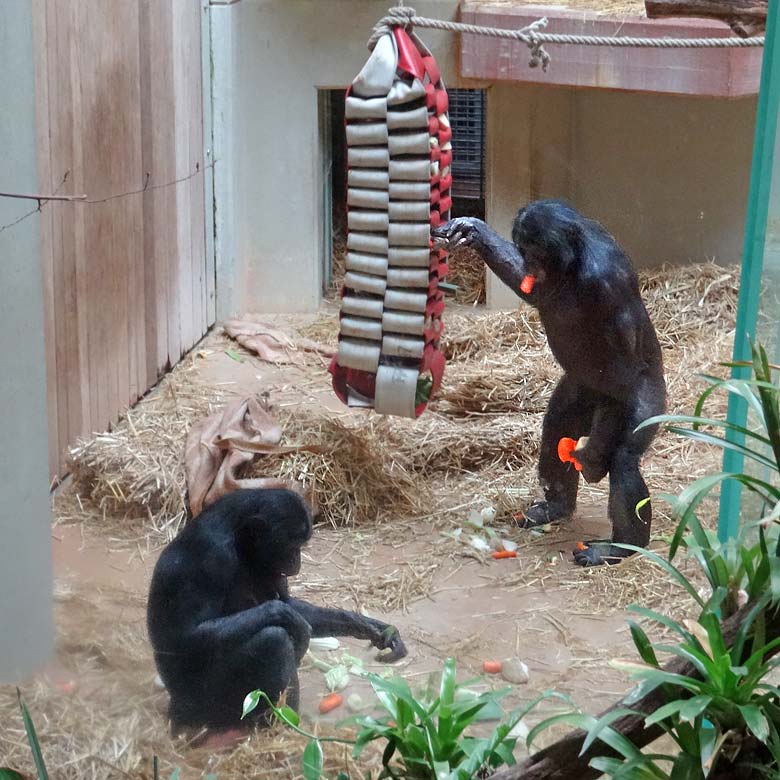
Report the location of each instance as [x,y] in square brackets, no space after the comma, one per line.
[500,255]
[325,621]
[233,630]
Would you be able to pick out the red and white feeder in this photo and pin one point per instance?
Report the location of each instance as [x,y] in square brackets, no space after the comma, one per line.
[399,178]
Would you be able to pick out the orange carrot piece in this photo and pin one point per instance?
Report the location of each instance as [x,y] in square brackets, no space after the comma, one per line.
[499,554]
[527,285]
[331,702]
[491,667]
[581,546]
[566,447]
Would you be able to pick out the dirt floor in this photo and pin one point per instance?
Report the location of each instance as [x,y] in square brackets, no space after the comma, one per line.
[403,558]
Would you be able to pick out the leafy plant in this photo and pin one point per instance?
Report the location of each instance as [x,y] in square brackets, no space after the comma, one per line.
[747,565]
[425,735]
[726,710]
[35,747]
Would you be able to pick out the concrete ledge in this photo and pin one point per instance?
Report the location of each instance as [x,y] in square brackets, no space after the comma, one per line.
[724,73]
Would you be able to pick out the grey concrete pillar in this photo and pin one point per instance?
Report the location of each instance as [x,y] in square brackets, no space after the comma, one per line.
[25,534]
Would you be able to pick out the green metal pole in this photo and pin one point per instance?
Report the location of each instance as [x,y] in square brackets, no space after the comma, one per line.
[753,257]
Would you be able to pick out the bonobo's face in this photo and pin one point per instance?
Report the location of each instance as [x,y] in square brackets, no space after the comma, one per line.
[276,536]
[291,565]
[294,531]
[545,234]
[536,260]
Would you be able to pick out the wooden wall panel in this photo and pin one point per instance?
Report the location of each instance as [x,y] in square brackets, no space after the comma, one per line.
[120,113]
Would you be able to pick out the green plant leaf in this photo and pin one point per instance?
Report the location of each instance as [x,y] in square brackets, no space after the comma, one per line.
[686,767]
[756,721]
[694,707]
[602,723]
[32,738]
[668,567]
[312,760]
[288,715]
[608,736]
[442,770]
[724,444]
[446,699]
[395,688]
[251,700]
[643,644]
[10,774]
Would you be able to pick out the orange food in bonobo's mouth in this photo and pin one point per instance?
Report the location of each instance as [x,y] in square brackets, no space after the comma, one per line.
[491,667]
[331,702]
[527,285]
[499,554]
[581,546]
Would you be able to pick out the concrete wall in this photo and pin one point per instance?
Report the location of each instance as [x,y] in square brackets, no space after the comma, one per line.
[667,175]
[25,531]
[277,53]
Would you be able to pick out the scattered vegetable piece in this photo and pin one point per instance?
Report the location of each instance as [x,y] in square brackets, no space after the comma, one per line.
[491,667]
[581,546]
[488,514]
[478,543]
[331,702]
[527,285]
[324,643]
[500,554]
[566,447]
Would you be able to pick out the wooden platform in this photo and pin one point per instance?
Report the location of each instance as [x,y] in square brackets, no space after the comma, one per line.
[725,73]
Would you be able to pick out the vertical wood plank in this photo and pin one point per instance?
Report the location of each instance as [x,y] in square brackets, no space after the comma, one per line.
[181,89]
[125,274]
[197,210]
[208,162]
[41,46]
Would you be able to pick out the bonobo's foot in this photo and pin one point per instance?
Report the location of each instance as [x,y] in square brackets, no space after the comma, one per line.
[222,740]
[542,513]
[599,553]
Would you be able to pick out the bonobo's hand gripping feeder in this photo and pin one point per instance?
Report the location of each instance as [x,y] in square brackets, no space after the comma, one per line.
[399,162]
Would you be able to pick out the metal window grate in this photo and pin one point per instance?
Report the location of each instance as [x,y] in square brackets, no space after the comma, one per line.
[467,117]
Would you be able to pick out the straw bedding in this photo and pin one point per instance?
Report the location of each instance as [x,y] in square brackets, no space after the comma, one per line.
[487,419]
[477,444]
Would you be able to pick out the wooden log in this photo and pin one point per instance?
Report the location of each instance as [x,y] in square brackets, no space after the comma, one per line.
[562,759]
[745,17]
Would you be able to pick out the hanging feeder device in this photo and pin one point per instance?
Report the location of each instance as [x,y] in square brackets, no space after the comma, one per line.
[399,159]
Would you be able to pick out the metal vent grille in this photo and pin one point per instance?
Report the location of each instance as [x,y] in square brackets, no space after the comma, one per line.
[467,117]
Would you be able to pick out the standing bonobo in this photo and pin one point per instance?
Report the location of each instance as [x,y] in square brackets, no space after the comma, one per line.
[585,289]
[220,617]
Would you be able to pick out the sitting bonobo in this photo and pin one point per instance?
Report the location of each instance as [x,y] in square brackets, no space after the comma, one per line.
[220,617]
[587,294]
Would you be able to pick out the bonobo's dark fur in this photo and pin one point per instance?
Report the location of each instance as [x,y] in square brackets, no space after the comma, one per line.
[599,331]
[220,617]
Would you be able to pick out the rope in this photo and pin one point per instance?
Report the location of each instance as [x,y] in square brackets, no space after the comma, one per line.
[406,17]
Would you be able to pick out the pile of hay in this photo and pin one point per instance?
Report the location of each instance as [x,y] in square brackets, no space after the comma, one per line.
[137,469]
[486,420]
[467,272]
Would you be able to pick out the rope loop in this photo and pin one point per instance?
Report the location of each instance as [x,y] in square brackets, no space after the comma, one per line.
[398,16]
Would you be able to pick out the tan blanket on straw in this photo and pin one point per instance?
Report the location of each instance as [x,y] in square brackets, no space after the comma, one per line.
[219,445]
[272,344]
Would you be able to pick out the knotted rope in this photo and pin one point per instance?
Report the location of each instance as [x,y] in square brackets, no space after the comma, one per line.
[406,17]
